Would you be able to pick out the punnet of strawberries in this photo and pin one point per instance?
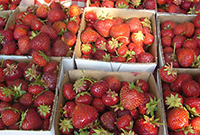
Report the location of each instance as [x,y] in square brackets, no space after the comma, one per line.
[97,102]
[27,94]
[9,4]
[181,42]
[181,98]
[116,38]
[51,29]
[125,4]
[179,6]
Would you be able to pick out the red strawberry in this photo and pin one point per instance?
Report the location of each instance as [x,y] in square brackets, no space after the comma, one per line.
[31,120]
[149,4]
[50,80]
[195,123]
[108,120]
[50,30]
[118,59]
[23,44]
[121,4]
[108,4]
[86,48]
[84,115]
[31,71]
[134,24]
[90,16]
[2,125]
[40,42]
[68,108]
[190,44]
[60,48]
[35,88]
[172,99]
[189,26]
[196,21]
[130,98]
[110,98]
[167,73]
[142,84]
[168,24]
[44,111]
[84,98]
[6,36]
[26,99]
[3,6]
[73,26]
[12,72]
[101,43]
[66,126]
[103,27]
[124,123]
[167,32]
[42,11]
[69,38]
[192,104]
[148,39]
[190,88]
[113,83]
[46,98]
[10,116]
[172,8]
[28,18]
[3,105]
[68,91]
[9,48]
[56,15]
[89,35]
[40,58]
[185,57]
[137,38]
[177,41]
[45,124]
[98,104]
[145,57]
[98,88]
[177,118]
[101,55]
[74,10]
[51,66]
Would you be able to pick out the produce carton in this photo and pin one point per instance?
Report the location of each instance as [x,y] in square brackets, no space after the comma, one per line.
[177,18]
[194,74]
[51,130]
[116,66]
[72,75]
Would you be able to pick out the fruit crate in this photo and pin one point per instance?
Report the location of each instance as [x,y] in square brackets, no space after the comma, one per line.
[117,66]
[72,75]
[161,85]
[177,18]
[132,5]
[51,130]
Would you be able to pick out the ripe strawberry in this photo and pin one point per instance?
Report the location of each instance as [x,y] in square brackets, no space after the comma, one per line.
[40,42]
[167,73]
[51,31]
[112,44]
[192,105]
[86,48]
[172,8]
[46,98]
[69,38]
[19,84]
[12,72]
[190,44]
[121,4]
[168,24]
[189,27]
[180,29]
[84,115]
[98,104]
[90,16]
[118,59]
[146,125]
[101,55]
[122,50]
[149,4]
[177,41]
[98,88]
[68,109]
[26,99]
[148,39]
[172,99]
[196,21]
[51,66]
[24,44]
[35,88]
[60,27]
[103,27]
[3,6]
[113,83]
[40,58]
[130,98]
[28,18]
[177,118]
[20,32]
[110,98]
[185,57]
[50,80]
[60,48]
[31,71]
[176,85]
[101,43]
[124,122]
[190,88]
[9,48]
[44,111]
[134,24]
[84,98]
[145,57]
[55,15]
[66,126]
[89,35]
[10,116]
[2,125]
[108,120]
[45,124]
[17,2]
[73,26]
[31,120]
[68,91]
[42,11]
[137,38]
[167,32]
[195,123]
[107,4]
[74,10]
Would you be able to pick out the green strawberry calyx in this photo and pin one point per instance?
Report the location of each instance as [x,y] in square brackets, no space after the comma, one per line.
[152,106]
[170,70]
[66,124]
[173,101]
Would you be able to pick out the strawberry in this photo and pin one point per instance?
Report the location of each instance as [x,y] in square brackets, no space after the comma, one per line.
[84,115]
[103,27]
[40,42]
[108,120]
[60,27]
[124,122]
[195,123]
[74,10]
[50,80]
[145,57]
[44,111]
[130,98]
[110,98]
[10,116]
[3,6]
[89,35]
[167,32]
[137,38]
[60,48]
[35,88]
[107,4]
[148,39]
[101,55]
[69,38]
[192,105]
[113,83]
[172,99]
[51,31]
[146,125]
[190,44]
[3,105]
[31,120]
[168,24]
[26,99]
[45,98]
[189,26]
[73,26]
[142,84]
[172,8]
[98,104]
[45,124]
[68,92]
[55,15]
[20,32]
[31,71]
[42,11]
[177,118]
[2,125]
[98,88]
[17,2]
[118,59]
[121,4]
[183,60]
[12,72]
[196,21]
[24,44]
[51,66]
[68,109]
[176,85]
[101,43]
[84,98]
[86,48]
[149,4]
[177,41]
[66,126]
[112,44]
[40,58]
[167,73]
[190,88]
[28,18]
[90,16]
[9,48]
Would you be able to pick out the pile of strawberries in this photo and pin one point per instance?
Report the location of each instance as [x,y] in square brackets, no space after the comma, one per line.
[179,6]
[126,4]
[116,39]
[9,4]
[51,29]
[181,97]
[108,106]
[181,43]
[27,94]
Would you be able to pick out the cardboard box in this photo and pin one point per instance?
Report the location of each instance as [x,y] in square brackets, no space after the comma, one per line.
[194,73]
[117,66]
[72,75]
[51,129]
[162,17]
